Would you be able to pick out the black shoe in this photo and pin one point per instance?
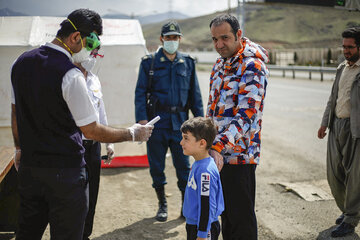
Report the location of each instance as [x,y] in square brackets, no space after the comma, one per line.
[339,219]
[342,230]
[161,214]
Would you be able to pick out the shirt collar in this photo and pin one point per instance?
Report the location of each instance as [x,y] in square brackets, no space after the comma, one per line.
[60,49]
[90,74]
[163,57]
[357,63]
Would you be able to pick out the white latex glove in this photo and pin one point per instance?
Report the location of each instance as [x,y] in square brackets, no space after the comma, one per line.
[17,159]
[140,132]
[110,152]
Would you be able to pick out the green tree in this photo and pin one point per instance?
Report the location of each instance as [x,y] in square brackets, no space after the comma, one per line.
[296,58]
[328,59]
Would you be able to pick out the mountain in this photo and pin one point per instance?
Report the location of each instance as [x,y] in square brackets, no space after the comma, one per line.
[8,12]
[273,25]
[116,16]
[155,18]
[148,19]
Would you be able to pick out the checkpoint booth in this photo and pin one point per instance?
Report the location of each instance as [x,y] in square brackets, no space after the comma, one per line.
[123,45]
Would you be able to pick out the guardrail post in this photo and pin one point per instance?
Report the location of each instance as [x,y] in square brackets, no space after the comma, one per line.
[321,76]
[293,73]
[284,73]
[310,75]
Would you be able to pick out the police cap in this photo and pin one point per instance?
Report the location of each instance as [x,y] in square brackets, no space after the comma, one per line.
[171,28]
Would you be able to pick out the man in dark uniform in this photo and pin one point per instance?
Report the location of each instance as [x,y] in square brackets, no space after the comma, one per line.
[50,110]
[173,90]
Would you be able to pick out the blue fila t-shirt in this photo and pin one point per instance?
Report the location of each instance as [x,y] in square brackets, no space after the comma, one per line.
[203,202]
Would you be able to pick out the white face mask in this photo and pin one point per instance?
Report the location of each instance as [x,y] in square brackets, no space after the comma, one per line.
[171,46]
[89,63]
[81,56]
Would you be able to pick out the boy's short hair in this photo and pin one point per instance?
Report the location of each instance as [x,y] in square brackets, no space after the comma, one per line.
[200,128]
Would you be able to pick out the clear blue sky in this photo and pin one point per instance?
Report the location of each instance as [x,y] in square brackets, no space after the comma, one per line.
[136,7]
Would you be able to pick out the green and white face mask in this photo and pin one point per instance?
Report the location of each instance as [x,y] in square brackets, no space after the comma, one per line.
[92,42]
[171,46]
[81,56]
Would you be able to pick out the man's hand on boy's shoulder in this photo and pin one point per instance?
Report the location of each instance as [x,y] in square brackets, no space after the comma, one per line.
[218,158]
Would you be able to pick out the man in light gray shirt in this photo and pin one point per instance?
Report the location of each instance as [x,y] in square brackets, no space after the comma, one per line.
[342,117]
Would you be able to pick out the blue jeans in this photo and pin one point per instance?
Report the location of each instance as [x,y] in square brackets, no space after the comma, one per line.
[157,146]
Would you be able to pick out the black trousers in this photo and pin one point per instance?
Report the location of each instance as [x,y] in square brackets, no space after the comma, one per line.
[58,196]
[191,231]
[238,219]
[93,163]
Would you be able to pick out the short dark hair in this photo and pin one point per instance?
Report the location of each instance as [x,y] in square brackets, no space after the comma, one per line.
[353,32]
[200,128]
[234,23]
[86,21]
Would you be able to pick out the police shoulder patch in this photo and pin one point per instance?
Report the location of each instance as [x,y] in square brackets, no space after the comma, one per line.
[192,57]
[205,184]
[146,57]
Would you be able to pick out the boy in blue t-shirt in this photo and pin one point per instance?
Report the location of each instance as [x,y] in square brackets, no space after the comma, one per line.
[203,202]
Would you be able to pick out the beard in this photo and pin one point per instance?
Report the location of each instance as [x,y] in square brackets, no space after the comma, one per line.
[354,57]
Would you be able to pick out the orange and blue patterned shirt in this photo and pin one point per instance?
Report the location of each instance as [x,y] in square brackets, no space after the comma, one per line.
[236,102]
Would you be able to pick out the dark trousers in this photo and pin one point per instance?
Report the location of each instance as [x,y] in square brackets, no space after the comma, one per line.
[157,146]
[191,231]
[93,163]
[238,219]
[55,196]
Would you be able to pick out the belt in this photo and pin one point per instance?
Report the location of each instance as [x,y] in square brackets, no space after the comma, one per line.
[170,109]
[87,143]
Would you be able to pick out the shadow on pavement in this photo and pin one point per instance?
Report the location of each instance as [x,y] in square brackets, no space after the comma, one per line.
[326,235]
[148,228]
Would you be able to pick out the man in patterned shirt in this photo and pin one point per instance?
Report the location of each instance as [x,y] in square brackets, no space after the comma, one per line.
[237,91]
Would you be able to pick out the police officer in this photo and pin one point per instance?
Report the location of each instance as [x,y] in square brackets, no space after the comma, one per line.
[173,90]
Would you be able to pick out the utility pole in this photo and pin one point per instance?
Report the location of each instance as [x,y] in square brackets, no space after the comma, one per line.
[170,9]
[229,7]
[241,15]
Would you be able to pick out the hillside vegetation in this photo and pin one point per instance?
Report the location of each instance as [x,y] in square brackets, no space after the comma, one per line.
[273,25]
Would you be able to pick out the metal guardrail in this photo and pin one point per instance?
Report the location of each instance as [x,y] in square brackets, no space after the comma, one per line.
[309,69]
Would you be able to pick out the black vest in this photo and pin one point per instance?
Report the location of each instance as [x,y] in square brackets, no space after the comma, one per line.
[48,135]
